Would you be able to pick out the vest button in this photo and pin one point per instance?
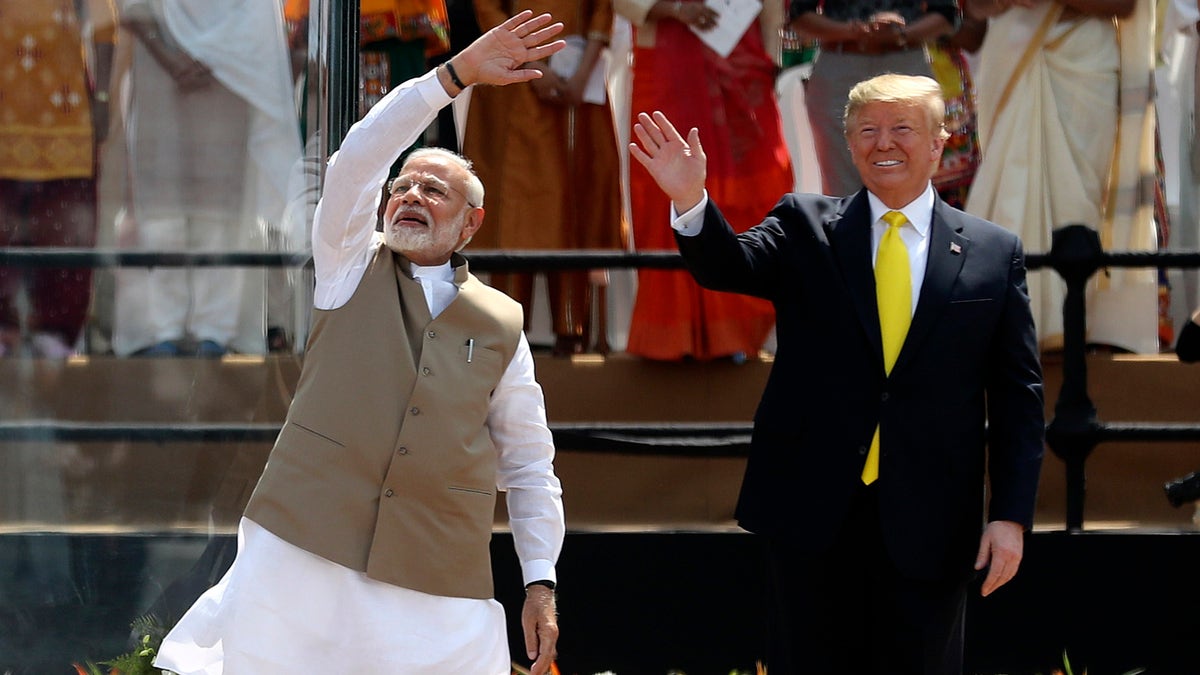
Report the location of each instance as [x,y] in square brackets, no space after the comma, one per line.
[862,449]
[426,371]
[388,493]
[402,450]
[432,334]
[415,410]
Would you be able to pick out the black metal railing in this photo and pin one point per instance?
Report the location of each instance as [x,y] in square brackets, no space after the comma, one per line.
[1072,434]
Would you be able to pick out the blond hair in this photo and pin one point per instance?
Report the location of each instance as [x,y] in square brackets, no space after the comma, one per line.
[916,90]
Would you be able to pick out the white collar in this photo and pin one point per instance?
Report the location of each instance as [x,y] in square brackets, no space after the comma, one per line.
[443,272]
[919,211]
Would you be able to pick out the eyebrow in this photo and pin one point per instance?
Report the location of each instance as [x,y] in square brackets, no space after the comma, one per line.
[424,177]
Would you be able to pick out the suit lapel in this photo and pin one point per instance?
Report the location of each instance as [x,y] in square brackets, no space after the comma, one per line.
[849,234]
[948,250]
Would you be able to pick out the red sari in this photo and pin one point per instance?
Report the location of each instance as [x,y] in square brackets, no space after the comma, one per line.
[732,102]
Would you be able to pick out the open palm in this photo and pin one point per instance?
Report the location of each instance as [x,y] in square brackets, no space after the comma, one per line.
[499,55]
[678,165]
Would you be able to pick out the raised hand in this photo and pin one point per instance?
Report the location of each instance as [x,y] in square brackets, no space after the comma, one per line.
[679,166]
[498,56]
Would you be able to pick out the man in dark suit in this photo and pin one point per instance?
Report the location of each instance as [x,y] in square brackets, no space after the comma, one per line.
[900,378]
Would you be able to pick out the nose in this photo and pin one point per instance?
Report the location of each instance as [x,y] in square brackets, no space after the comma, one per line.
[883,140]
[410,196]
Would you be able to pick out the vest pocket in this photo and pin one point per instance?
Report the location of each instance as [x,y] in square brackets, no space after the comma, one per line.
[469,490]
[316,434]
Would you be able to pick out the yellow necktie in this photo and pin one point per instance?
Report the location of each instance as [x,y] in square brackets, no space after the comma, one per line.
[893,294]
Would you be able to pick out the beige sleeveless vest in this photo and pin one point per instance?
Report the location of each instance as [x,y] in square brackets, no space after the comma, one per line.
[384,464]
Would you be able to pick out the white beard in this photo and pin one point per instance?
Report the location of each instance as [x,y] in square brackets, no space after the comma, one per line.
[426,242]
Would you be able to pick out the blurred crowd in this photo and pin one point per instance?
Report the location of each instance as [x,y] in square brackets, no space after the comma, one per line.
[194,126]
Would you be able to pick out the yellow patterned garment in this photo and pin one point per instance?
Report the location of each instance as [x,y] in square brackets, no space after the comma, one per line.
[45,114]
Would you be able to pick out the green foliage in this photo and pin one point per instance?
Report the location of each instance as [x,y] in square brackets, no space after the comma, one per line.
[1067,670]
[139,661]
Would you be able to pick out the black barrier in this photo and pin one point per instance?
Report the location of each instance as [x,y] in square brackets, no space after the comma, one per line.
[679,440]
[1072,434]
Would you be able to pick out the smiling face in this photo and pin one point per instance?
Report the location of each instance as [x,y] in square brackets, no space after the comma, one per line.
[895,148]
[428,217]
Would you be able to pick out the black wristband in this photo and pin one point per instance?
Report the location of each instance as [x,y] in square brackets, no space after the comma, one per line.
[454,76]
[541,582]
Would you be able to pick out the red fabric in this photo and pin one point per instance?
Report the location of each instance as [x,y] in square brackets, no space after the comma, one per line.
[732,102]
[48,213]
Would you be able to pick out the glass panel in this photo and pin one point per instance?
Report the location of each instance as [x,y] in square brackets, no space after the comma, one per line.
[134,134]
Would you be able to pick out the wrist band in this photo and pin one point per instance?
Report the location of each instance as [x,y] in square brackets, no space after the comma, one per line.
[454,76]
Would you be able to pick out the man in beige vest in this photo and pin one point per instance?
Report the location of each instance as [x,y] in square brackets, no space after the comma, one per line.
[365,547]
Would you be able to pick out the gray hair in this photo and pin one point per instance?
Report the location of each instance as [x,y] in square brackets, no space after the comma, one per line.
[917,90]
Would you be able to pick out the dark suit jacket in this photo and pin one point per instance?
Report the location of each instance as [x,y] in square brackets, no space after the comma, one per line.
[968,377]
[1187,347]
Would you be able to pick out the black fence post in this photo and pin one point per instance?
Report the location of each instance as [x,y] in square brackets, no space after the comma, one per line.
[1076,254]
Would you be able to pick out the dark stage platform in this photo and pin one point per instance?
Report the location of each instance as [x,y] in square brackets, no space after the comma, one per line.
[648,603]
[654,575]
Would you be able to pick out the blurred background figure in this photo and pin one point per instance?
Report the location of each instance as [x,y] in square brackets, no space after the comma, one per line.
[397,38]
[54,96]
[1067,132]
[858,40]
[799,51]
[548,153]
[949,60]
[211,135]
[731,100]
[1176,107]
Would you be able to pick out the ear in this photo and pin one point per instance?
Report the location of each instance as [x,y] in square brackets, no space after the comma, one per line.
[939,144]
[474,220]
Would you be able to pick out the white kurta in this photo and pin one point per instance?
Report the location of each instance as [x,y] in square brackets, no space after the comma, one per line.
[280,609]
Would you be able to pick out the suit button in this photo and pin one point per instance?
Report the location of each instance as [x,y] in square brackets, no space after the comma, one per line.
[388,493]
[862,449]
[884,398]
[426,371]
[402,450]
[415,410]
[432,334]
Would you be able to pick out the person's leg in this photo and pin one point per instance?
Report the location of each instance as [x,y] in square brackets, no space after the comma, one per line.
[12,216]
[819,619]
[924,628]
[62,213]
[215,187]
[518,286]
[571,311]
[150,304]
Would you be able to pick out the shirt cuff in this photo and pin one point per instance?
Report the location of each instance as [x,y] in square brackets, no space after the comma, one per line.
[536,570]
[432,91]
[691,222]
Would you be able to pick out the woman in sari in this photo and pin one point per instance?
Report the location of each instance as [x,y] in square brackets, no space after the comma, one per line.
[731,100]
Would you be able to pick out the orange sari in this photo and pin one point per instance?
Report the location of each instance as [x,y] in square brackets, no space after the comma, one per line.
[732,102]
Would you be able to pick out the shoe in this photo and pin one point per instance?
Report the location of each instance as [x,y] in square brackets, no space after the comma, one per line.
[164,348]
[49,346]
[210,349]
[567,345]
[10,339]
[277,340]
